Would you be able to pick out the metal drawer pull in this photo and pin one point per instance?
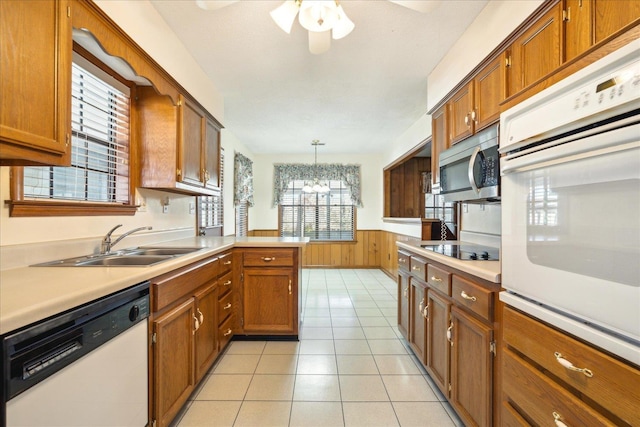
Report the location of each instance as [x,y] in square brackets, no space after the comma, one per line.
[227,307]
[464,295]
[415,267]
[268,259]
[227,283]
[227,262]
[226,334]
[558,420]
[200,315]
[450,333]
[436,279]
[564,362]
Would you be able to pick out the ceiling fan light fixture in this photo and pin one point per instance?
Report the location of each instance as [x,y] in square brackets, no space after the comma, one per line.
[318,15]
[285,14]
[319,42]
[343,25]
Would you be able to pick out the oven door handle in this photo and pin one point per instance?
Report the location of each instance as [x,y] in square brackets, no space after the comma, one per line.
[472,162]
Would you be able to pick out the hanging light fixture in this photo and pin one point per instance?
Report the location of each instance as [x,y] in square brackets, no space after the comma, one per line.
[323,19]
[315,187]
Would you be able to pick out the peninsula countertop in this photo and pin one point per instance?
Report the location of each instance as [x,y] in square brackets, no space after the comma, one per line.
[30,294]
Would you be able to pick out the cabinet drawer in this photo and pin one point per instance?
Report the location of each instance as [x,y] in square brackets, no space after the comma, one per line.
[225,284]
[403,261]
[171,287]
[268,258]
[225,333]
[225,306]
[541,399]
[439,279]
[225,262]
[419,268]
[474,297]
[614,385]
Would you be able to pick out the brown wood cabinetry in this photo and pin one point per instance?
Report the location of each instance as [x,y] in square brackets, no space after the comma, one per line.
[460,110]
[451,328]
[538,381]
[270,294]
[180,145]
[537,51]
[577,27]
[184,328]
[610,16]
[439,141]
[35,82]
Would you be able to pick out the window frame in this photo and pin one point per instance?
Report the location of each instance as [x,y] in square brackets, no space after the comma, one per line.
[354,230]
[19,206]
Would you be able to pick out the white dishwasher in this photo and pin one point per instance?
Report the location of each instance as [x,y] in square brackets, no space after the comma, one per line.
[85,367]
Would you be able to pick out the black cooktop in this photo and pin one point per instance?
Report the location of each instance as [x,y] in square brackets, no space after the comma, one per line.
[466,251]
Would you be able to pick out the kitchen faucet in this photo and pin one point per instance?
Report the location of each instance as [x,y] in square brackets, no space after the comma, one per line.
[106,245]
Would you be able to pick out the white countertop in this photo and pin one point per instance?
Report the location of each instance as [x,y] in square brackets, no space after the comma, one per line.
[30,294]
[488,270]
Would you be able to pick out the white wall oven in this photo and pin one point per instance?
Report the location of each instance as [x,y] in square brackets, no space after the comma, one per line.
[571,204]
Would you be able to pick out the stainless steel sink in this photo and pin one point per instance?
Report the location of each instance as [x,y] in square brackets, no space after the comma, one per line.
[136,257]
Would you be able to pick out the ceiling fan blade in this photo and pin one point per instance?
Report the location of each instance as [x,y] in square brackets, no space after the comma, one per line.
[214,4]
[423,6]
[319,42]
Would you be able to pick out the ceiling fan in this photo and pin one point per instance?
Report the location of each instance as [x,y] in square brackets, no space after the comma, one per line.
[324,19]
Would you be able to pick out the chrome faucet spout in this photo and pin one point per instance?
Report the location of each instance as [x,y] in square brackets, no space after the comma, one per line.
[107,244]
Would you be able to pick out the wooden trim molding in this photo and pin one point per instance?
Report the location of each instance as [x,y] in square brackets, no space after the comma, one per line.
[30,208]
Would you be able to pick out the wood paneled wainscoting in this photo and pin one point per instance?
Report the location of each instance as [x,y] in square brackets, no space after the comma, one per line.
[372,249]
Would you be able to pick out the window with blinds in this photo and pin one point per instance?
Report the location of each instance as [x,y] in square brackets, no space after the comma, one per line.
[242,219]
[319,216]
[210,212]
[99,170]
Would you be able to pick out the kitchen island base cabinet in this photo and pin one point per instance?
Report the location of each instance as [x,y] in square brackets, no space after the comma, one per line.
[269,301]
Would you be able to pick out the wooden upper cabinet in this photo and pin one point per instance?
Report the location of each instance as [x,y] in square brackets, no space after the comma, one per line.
[35,82]
[460,111]
[175,144]
[577,27]
[611,16]
[537,51]
[439,141]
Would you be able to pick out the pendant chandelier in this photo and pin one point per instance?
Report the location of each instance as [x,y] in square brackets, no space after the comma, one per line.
[315,186]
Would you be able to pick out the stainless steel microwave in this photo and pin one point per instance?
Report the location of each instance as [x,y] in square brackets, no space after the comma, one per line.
[470,170]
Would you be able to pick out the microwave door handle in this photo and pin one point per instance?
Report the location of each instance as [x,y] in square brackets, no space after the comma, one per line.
[472,162]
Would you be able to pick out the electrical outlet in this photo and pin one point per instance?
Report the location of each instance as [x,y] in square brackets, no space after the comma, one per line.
[465,208]
[165,208]
[192,208]
[142,204]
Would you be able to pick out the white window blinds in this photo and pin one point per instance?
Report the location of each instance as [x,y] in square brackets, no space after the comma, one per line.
[99,170]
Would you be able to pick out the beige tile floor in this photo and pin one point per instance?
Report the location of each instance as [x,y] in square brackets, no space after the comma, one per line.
[350,368]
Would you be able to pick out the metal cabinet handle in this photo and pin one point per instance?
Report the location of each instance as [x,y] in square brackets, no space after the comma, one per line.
[290,290]
[227,307]
[466,120]
[227,283]
[405,291]
[450,334]
[200,316]
[436,279]
[557,418]
[421,305]
[268,259]
[416,268]
[425,312]
[226,334]
[474,116]
[227,262]
[464,295]
[196,324]
[565,363]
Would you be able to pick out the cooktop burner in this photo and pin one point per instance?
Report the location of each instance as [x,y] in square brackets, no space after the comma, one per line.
[467,251]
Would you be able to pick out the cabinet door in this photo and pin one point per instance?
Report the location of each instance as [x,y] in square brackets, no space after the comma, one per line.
[460,111]
[192,128]
[611,16]
[418,319]
[269,301]
[537,52]
[578,36]
[471,369]
[489,92]
[206,337]
[439,141]
[403,304]
[35,82]
[438,346]
[212,155]
[173,368]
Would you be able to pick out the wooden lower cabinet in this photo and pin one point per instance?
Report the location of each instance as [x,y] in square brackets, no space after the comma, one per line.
[403,303]
[418,326]
[173,362]
[206,336]
[438,347]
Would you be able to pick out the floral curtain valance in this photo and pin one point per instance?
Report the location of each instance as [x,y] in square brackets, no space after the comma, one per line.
[283,174]
[243,180]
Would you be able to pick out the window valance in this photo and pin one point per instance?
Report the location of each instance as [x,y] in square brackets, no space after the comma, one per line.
[283,174]
[243,180]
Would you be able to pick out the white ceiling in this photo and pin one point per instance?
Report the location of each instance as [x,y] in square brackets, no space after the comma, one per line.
[358,97]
